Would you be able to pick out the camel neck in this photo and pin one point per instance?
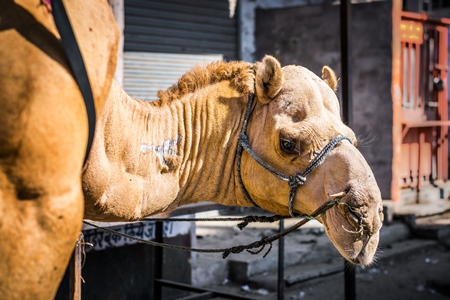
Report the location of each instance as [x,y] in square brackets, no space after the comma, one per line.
[209,124]
[151,157]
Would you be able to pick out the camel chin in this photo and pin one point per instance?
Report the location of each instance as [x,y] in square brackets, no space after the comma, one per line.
[357,245]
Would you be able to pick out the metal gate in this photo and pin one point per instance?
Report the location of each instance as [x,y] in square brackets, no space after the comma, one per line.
[424,149]
[164,39]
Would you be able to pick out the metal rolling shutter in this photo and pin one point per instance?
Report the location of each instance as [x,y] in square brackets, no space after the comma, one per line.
[147,73]
[180,26]
[164,39]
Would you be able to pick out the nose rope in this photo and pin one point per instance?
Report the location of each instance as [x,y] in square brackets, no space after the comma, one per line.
[294,181]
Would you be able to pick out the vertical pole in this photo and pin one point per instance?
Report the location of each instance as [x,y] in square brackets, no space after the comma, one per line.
[158,262]
[396,92]
[443,101]
[349,281]
[347,107]
[75,271]
[280,292]
[346,68]
[118,8]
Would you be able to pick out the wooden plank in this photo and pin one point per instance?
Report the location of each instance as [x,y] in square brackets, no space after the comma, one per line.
[75,270]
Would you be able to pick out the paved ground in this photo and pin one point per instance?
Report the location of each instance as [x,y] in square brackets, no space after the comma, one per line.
[407,268]
[423,274]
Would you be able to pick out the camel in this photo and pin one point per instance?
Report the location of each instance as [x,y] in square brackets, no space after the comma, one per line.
[43,137]
[151,157]
[234,133]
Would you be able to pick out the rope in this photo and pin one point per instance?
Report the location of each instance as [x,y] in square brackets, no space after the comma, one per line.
[240,148]
[245,220]
[294,181]
[236,249]
[300,178]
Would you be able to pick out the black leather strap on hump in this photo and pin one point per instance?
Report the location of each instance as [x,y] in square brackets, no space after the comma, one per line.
[76,64]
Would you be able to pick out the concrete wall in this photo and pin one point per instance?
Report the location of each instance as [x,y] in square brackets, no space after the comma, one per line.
[246,16]
[309,36]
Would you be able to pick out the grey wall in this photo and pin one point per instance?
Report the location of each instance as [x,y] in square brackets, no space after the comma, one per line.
[128,272]
[309,36]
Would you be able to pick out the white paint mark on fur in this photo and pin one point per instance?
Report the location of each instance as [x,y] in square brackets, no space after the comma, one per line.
[162,150]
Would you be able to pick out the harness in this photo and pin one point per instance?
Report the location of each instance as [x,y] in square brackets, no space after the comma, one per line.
[76,64]
[294,181]
[79,73]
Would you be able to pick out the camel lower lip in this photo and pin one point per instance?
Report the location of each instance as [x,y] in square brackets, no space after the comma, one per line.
[361,261]
[358,260]
[358,251]
[363,258]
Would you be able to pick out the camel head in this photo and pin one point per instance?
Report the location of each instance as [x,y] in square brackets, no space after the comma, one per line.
[296,115]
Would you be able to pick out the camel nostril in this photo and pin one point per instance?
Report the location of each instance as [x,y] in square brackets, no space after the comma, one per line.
[353,219]
[350,215]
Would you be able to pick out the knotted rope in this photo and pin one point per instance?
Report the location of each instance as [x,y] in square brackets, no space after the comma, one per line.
[245,220]
[294,181]
[235,249]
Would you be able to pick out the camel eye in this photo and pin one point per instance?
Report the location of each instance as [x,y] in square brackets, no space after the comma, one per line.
[288,145]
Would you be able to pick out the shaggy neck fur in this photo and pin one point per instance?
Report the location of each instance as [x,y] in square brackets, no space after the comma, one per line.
[150,157]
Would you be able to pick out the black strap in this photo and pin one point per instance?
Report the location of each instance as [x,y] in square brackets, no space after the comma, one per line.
[76,64]
[294,181]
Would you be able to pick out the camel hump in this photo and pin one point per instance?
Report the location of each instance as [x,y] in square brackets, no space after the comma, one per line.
[98,36]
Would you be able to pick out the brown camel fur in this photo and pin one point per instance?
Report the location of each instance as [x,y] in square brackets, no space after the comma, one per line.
[151,157]
[43,137]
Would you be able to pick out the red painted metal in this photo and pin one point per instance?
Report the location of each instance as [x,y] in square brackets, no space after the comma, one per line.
[442,99]
[406,15]
[405,169]
[424,103]
[397,161]
[411,31]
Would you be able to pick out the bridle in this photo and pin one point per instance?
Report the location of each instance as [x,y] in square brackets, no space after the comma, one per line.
[294,181]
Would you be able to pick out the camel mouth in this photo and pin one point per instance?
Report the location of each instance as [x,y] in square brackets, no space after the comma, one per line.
[353,217]
[366,255]
[352,231]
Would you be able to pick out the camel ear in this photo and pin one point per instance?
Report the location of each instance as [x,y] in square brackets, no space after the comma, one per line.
[329,77]
[269,79]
